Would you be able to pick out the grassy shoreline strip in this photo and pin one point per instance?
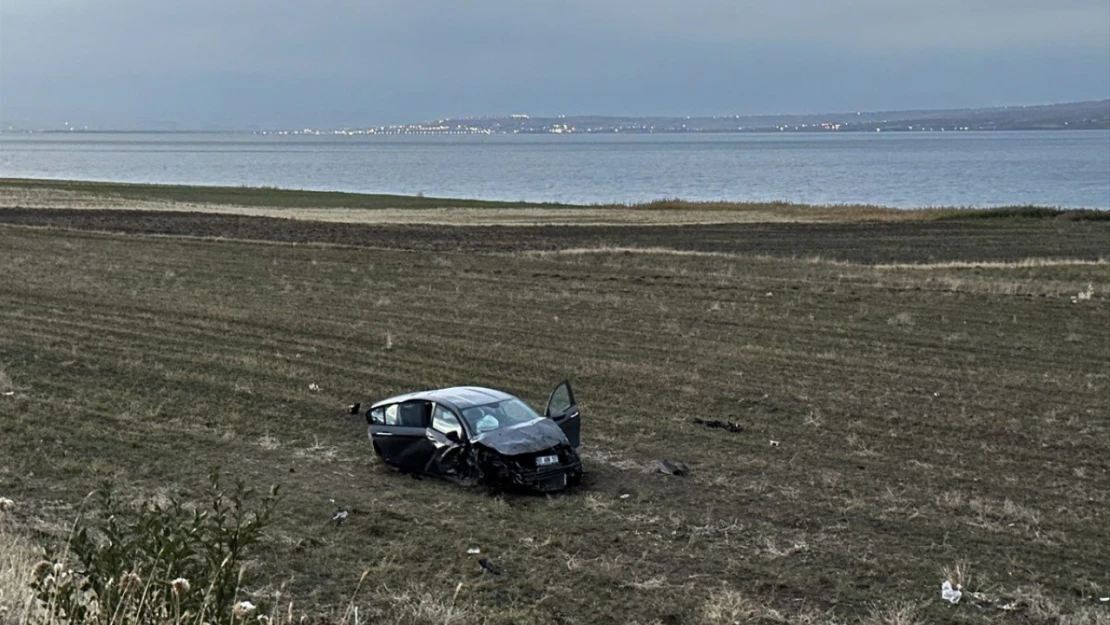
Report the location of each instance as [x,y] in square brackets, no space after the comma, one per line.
[254,196]
[272,197]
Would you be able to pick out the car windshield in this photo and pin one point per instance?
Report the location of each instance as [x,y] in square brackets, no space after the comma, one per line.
[503,414]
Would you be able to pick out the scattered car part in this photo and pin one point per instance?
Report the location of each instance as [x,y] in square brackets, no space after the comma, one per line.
[672,468]
[728,426]
[487,565]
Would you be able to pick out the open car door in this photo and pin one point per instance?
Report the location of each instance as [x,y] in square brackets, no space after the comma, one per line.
[398,433]
[563,410]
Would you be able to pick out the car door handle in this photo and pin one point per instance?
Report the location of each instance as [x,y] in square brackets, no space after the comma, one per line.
[385,433]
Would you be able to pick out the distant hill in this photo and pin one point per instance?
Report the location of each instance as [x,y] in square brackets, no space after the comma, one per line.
[1068,116]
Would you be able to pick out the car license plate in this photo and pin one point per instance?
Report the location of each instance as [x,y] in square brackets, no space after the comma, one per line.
[546,461]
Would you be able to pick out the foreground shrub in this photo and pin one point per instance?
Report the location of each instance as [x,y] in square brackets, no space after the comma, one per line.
[17,558]
[155,563]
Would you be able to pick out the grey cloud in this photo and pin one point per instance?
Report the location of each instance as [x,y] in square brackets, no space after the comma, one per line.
[331,61]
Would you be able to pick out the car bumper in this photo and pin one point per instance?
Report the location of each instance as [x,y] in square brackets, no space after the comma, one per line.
[549,480]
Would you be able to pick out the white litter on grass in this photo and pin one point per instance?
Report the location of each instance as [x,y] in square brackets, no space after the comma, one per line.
[314,387]
[625,496]
[1104,599]
[6,503]
[9,393]
[1083,296]
[474,551]
[774,443]
[949,594]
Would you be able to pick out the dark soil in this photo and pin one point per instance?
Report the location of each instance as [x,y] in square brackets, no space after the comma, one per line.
[993,240]
[920,418]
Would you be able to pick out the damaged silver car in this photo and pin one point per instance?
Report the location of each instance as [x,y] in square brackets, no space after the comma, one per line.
[474,435]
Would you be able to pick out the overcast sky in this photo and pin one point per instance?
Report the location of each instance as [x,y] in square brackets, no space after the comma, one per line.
[295,63]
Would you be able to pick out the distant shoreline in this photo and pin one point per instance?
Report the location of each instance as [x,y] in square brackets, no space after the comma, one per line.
[1083,115]
[356,133]
[387,208]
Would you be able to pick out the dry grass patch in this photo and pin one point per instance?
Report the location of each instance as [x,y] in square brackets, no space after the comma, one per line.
[772,550]
[610,249]
[959,575]
[1024,263]
[901,319]
[814,259]
[268,442]
[731,607]
[616,460]
[6,384]
[17,562]
[901,613]
[1048,609]
[418,605]
[318,452]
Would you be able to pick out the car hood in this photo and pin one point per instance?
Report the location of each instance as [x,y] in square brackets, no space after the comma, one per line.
[523,439]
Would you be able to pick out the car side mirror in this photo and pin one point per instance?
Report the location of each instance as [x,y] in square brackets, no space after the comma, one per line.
[454,437]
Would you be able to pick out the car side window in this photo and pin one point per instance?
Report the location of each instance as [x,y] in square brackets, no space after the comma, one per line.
[377,415]
[391,415]
[414,414]
[560,401]
[443,420]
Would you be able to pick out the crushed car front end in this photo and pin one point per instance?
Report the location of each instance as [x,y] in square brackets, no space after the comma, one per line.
[545,471]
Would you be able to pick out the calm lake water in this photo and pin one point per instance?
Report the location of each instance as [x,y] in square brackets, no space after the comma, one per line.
[1070,169]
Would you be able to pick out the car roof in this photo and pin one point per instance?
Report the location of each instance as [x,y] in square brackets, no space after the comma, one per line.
[457,397]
